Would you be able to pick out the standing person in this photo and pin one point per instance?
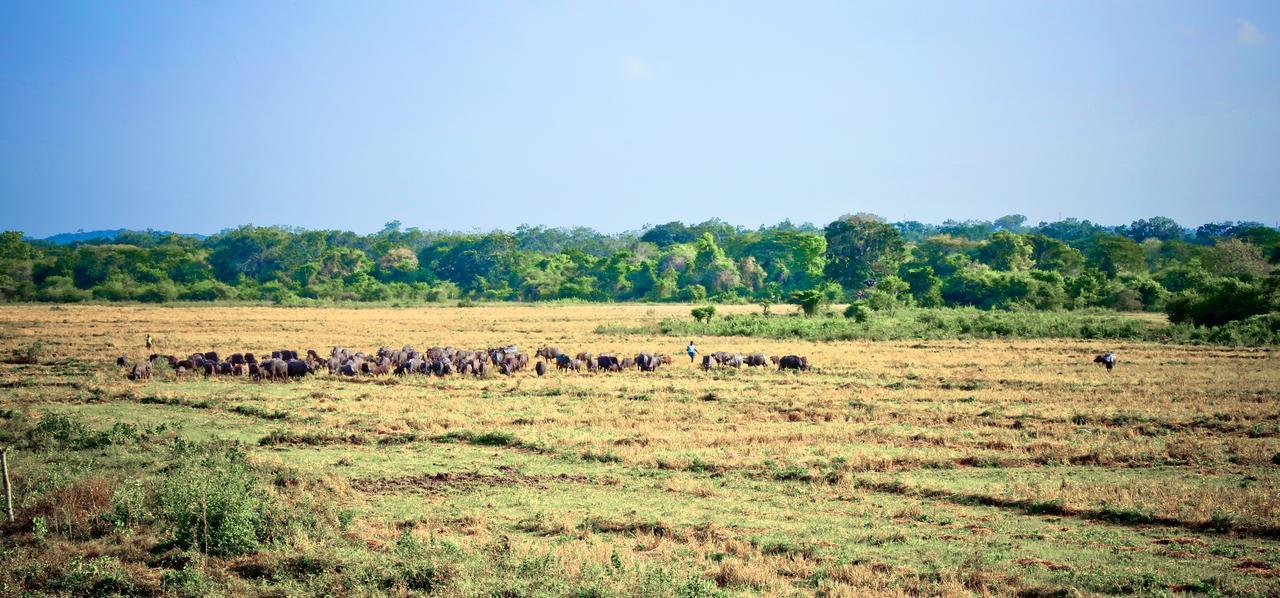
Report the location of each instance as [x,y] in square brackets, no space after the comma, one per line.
[148,340]
[691,350]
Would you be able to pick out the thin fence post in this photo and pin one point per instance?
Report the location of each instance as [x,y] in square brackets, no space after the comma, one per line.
[8,493]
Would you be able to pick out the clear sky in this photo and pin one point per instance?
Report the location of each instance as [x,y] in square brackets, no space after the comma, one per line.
[198,116]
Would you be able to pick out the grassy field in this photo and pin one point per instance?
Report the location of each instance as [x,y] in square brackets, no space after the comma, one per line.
[905,467]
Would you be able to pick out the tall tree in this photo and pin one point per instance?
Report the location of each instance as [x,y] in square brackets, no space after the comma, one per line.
[1158,227]
[861,249]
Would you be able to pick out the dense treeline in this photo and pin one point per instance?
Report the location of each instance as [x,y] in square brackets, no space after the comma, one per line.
[1213,274]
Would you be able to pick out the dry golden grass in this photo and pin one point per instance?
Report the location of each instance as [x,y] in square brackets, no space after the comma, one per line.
[891,468]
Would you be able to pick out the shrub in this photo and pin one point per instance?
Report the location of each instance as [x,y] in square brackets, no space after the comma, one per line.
[1227,300]
[210,501]
[810,301]
[705,313]
[857,312]
[28,355]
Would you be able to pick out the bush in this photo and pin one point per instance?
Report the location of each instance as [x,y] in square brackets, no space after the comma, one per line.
[704,313]
[810,301]
[857,312]
[28,355]
[210,501]
[60,289]
[1225,301]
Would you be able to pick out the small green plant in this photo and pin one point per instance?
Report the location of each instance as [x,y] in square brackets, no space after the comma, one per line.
[601,457]
[704,313]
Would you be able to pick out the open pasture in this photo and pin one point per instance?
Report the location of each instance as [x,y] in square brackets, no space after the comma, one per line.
[927,467]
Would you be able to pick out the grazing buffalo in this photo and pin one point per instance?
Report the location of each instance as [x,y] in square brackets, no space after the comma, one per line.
[140,371]
[296,369]
[212,356]
[707,362]
[1108,359]
[249,358]
[441,368]
[734,361]
[224,369]
[720,356]
[793,362]
[756,359]
[627,362]
[646,362]
[275,369]
[236,359]
[540,368]
[122,361]
[564,362]
[609,363]
[548,353]
[774,359]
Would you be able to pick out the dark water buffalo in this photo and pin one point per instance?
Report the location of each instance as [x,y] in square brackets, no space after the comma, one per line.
[236,359]
[793,362]
[646,362]
[707,362]
[249,358]
[296,369]
[1108,359]
[720,357]
[734,361]
[540,368]
[564,362]
[122,361]
[212,356]
[441,367]
[224,369]
[548,353]
[171,360]
[608,363]
[140,371]
[756,359]
[627,362]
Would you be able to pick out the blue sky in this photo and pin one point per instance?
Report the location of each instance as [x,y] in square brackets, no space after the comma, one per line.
[198,116]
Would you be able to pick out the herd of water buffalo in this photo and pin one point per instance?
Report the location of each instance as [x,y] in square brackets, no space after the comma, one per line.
[285,365]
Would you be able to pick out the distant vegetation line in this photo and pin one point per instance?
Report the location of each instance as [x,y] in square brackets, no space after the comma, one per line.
[1210,276]
[964,323]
